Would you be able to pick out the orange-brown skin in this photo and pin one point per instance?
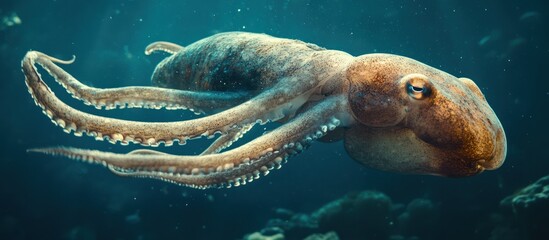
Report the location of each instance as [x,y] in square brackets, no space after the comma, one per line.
[394,113]
[449,130]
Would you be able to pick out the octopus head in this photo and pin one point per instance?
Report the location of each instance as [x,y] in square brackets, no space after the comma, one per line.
[413,118]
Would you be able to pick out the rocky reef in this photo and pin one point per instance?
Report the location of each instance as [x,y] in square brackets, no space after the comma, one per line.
[524,214]
[372,215]
[531,201]
[361,215]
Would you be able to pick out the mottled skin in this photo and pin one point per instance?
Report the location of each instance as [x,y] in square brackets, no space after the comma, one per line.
[394,113]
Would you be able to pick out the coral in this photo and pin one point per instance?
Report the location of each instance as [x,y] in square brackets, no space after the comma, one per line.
[525,214]
[372,215]
[419,219]
[326,236]
[531,199]
[296,226]
[259,236]
[364,215]
[279,236]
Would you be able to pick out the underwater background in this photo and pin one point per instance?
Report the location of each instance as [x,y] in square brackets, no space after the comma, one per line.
[502,45]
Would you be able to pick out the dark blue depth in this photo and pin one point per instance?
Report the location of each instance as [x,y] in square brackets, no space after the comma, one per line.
[502,45]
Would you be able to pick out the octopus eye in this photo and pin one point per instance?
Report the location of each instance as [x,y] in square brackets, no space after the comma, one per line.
[418,88]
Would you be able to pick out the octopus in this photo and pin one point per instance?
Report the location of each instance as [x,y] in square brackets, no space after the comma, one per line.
[392,113]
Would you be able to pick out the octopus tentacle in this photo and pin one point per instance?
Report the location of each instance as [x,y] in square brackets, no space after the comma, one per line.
[146,152]
[226,169]
[167,47]
[269,105]
[138,97]
[225,141]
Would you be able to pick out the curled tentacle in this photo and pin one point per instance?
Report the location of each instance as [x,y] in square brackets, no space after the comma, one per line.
[270,105]
[233,167]
[168,47]
[139,97]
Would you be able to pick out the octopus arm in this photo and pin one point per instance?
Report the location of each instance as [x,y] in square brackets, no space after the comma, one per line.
[227,140]
[162,46]
[272,105]
[231,168]
[137,96]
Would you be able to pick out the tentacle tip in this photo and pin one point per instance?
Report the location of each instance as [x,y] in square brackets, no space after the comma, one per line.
[31,54]
[37,150]
[47,150]
[167,47]
[72,60]
[149,49]
[66,62]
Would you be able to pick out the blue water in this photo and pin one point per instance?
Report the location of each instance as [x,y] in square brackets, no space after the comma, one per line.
[502,45]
